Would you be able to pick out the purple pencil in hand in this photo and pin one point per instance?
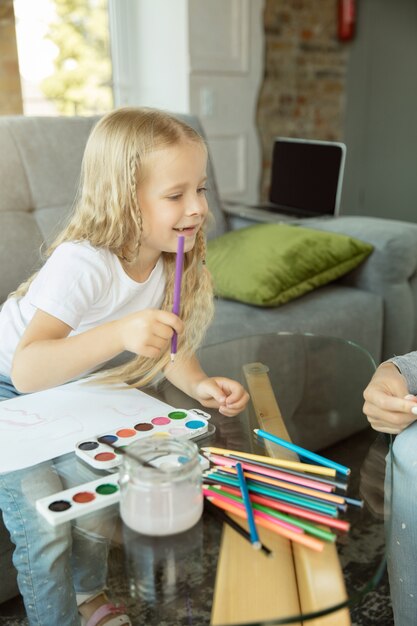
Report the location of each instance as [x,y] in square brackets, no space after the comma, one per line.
[177,290]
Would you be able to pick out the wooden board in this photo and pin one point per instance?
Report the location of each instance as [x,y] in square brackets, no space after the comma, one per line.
[252,587]
[319,574]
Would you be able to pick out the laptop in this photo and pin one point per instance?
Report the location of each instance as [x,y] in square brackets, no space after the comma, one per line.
[306,177]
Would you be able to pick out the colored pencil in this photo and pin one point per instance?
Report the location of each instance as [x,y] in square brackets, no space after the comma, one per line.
[179,262]
[331,482]
[273,515]
[315,497]
[306,491]
[222,516]
[312,456]
[306,540]
[238,501]
[306,467]
[298,511]
[277,494]
[217,459]
[354,502]
[248,506]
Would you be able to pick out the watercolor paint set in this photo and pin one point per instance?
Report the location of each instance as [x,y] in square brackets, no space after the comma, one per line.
[181,423]
[68,504]
[71,503]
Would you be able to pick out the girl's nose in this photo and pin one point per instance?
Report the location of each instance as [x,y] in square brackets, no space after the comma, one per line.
[196,207]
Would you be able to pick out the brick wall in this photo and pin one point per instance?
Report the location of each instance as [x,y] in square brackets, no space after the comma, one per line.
[10,90]
[303,91]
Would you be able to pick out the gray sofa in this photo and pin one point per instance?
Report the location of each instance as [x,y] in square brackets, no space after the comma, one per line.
[375,305]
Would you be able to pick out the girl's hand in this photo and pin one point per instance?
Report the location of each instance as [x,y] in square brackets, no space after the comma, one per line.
[388,404]
[224,394]
[148,332]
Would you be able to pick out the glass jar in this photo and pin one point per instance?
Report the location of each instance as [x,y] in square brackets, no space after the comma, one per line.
[161,486]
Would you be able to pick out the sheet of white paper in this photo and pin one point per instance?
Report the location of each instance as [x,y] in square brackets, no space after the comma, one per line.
[43,425]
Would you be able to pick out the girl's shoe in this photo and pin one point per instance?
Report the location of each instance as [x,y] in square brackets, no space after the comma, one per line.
[105,610]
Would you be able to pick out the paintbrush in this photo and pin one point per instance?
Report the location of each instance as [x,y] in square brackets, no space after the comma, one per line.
[123,450]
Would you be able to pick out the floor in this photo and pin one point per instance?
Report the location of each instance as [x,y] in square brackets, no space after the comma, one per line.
[374,608]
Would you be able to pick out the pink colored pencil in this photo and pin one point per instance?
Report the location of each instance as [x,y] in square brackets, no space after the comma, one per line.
[301,538]
[258,469]
[287,525]
[291,509]
[328,497]
[282,463]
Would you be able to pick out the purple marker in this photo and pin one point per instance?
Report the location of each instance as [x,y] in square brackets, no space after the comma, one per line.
[177,290]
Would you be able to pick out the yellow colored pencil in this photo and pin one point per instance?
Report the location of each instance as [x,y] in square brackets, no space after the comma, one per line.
[295,465]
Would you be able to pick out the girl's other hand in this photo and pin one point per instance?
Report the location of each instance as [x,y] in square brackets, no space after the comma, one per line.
[148,332]
[388,404]
[224,394]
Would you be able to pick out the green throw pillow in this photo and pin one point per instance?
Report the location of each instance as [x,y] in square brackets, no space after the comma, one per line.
[270,264]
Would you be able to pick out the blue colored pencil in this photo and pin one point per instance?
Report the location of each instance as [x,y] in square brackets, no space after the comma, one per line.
[307,497]
[274,492]
[355,502]
[248,507]
[321,460]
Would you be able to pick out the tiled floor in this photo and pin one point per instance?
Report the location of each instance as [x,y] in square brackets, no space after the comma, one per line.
[374,608]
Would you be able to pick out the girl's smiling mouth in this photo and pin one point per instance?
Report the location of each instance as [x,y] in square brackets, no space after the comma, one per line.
[189,230]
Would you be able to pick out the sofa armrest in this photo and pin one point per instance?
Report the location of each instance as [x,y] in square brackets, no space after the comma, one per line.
[389,271]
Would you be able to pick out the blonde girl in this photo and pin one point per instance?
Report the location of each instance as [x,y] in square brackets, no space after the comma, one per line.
[105,290]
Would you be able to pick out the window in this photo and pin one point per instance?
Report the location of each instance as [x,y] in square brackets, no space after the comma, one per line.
[64,56]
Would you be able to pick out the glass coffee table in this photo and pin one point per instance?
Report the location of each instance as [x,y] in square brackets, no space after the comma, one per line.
[311,386]
[210,574]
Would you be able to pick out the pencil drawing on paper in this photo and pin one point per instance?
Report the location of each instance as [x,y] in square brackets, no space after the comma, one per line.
[49,423]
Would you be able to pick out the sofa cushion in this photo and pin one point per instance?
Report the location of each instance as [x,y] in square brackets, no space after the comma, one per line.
[20,242]
[270,264]
[50,151]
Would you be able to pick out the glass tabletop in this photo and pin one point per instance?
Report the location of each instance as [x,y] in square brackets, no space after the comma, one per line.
[210,575]
[203,576]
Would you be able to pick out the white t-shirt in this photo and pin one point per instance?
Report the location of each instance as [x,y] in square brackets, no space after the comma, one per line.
[82,286]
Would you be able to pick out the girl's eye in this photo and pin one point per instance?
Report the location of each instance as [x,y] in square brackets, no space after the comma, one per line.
[175,197]
[202,189]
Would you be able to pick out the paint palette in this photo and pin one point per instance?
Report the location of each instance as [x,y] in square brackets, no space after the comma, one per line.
[186,424]
[71,503]
[66,505]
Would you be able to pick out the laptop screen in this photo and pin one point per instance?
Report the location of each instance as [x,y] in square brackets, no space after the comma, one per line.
[307,176]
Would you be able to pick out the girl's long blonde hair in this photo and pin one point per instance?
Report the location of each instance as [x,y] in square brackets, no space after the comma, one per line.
[107,215]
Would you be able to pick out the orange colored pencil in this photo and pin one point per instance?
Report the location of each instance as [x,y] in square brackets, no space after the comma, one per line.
[303,539]
[298,511]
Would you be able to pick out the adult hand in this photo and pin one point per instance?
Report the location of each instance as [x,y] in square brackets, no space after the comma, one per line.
[388,404]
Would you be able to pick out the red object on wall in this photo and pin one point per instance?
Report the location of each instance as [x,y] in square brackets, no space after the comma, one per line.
[346,19]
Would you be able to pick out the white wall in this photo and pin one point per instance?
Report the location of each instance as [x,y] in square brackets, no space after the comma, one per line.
[381,112]
[201,57]
[150,53]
